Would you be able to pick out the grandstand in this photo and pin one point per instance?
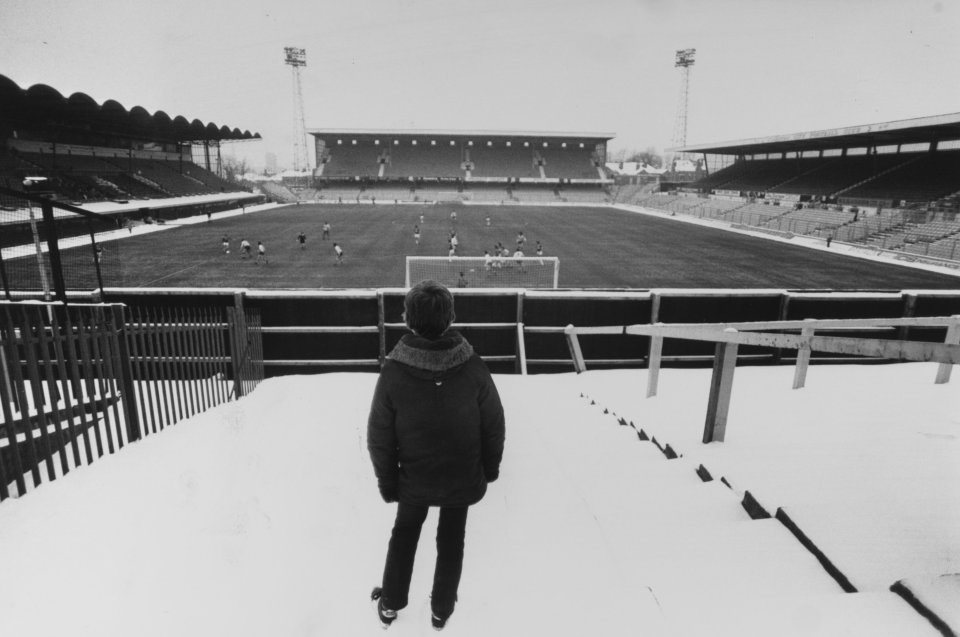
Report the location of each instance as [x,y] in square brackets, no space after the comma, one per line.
[406,161]
[893,186]
[444,165]
[104,155]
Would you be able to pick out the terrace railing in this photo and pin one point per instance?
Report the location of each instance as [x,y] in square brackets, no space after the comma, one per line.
[81,380]
[729,336]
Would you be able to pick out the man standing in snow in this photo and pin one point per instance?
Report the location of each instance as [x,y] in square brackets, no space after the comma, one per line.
[435,435]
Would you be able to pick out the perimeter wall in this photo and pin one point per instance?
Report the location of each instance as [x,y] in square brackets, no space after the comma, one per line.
[352,330]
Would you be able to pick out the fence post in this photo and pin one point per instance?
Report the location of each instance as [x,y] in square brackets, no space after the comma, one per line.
[128,390]
[5,373]
[653,365]
[522,349]
[381,328]
[909,308]
[4,280]
[237,343]
[952,338]
[574,344]
[518,364]
[53,251]
[803,357]
[783,313]
[721,386]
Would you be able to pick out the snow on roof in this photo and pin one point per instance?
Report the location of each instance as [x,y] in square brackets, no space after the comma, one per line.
[633,168]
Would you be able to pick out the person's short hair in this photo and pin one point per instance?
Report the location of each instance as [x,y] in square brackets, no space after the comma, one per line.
[428,309]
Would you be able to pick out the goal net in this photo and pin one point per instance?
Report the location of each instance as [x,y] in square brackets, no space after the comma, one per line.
[485,272]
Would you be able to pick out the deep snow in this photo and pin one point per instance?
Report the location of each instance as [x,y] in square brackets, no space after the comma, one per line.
[261,517]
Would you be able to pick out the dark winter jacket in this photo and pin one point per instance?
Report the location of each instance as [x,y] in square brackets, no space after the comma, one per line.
[436,427]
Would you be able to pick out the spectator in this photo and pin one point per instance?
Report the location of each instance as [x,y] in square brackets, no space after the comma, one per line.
[435,436]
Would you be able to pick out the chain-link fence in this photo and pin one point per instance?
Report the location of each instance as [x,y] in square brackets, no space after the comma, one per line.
[49,247]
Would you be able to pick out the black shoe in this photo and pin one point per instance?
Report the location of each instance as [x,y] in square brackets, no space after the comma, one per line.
[385,614]
[437,621]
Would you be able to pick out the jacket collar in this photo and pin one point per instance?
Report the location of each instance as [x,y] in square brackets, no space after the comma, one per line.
[449,351]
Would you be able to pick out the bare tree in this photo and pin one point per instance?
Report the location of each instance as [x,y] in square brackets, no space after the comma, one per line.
[649,156]
[234,169]
[618,156]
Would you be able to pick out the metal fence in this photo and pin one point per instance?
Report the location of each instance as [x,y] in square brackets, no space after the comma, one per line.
[80,381]
[48,247]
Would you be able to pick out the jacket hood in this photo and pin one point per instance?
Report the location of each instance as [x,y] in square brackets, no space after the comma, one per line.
[445,353]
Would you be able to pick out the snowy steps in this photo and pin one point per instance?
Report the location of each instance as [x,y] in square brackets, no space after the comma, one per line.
[659,531]
[261,516]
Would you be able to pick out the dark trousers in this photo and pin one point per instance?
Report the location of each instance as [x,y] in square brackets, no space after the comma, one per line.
[403,549]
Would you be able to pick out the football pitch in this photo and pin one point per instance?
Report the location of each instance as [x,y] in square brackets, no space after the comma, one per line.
[597,248]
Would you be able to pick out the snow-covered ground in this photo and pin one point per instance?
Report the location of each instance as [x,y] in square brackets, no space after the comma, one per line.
[261,517]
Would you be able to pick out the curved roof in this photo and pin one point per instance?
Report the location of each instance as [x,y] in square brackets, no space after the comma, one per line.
[907,131]
[41,104]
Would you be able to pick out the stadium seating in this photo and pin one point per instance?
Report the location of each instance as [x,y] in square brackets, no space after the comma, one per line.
[568,163]
[937,228]
[817,177]
[132,187]
[722,177]
[340,192]
[502,161]
[352,160]
[945,248]
[658,200]
[631,193]
[921,178]
[717,208]
[868,225]
[212,182]
[440,193]
[757,175]
[492,193]
[585,193]
[892,177]
[168,179]
[810,220]
[278,192]
[756,214]
[440,160]
[86,176]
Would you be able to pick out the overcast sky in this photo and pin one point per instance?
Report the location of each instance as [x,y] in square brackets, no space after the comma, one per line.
[762,67]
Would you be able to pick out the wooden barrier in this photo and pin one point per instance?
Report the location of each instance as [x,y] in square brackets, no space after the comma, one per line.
[309,331]
[106,375]
[728,337]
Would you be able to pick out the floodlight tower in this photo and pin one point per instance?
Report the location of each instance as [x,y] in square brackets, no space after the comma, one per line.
[296,59]
[684,61]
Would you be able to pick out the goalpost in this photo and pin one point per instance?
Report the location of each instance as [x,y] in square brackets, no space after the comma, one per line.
[485,272]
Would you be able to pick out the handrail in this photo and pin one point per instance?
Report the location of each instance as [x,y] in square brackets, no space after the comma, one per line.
[729,336]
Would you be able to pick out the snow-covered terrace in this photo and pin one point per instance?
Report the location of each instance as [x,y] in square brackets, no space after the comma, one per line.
[261,516]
